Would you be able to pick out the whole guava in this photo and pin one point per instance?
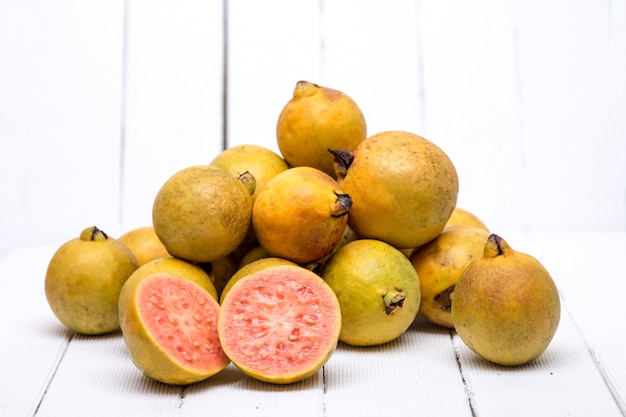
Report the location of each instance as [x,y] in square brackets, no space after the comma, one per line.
[84,279]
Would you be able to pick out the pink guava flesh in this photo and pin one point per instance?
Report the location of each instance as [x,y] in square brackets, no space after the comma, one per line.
[182,319]
[279,324]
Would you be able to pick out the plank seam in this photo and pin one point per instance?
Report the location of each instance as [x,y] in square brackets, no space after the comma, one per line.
[597,361]
[123,107]
[225,143]
[469,394]
[53,372]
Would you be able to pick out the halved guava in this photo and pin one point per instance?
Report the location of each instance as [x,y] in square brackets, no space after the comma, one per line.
[280,324]
[170,330]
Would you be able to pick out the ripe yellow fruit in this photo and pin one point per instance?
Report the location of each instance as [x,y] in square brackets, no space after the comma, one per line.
[315,120]
[462,217]
[403,187]
[300,215]
[84,279]
[506,306]
[440,263]
[144,244]
[378,291]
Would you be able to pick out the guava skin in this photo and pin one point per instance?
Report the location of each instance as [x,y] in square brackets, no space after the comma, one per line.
[84,280]
[301,215]
[378,291]
[202,213]
[439,264]
[506,307]
[315,119]
[403,188]
[170,330]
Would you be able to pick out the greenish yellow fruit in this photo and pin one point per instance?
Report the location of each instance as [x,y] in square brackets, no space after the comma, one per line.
[202,213]
[84,280]
[506,306]
[378,291]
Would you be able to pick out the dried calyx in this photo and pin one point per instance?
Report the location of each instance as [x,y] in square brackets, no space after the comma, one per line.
[343,160]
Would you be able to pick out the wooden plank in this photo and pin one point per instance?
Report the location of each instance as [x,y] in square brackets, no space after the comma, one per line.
[271,45]
[231,393]
[471,104]
[571,65]
[417,372]
[173,98]
[587,281]
[98,378]
[566,379]
[60,94]
[372,53]
[34,341]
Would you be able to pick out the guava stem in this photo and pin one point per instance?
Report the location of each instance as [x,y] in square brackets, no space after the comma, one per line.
[249,181]
[496,246]
[93,233]
[393,301]
[342,206]
[343,160]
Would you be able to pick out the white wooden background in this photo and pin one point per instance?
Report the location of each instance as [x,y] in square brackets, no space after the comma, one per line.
[101,101]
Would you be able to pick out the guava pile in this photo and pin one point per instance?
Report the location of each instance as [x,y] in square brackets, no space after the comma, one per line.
[268,261]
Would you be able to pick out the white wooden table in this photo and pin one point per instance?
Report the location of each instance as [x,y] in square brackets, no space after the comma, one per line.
[50,371]
[101,101]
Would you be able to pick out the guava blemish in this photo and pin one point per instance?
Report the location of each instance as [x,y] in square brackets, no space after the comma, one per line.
[393,301]
[443,300]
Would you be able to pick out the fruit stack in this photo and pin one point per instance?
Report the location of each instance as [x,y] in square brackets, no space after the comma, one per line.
[268,261]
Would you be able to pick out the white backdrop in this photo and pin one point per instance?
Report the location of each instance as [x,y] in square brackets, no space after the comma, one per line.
[101,101]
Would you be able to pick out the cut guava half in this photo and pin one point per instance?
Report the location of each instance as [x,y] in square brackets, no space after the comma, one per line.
[170,330]
[280,324]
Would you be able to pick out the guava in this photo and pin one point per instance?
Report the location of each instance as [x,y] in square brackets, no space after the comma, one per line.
[506,306]
[253,254]
[378,291]
[221,270]
[347,237]
[403,188]
[300,215]
[280,324]
[170,265]
[84,280]
[202,213]
[462,217]
[144,244]
[249,268]
[315,119]
[170,330]
[439,264]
